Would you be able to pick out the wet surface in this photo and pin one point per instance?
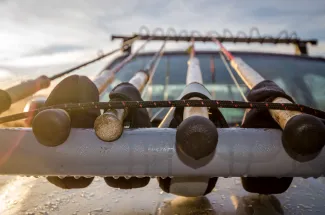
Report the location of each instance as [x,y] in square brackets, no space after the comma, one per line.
[33,196]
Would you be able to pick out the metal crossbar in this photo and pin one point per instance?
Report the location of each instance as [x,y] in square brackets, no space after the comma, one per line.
[151,152]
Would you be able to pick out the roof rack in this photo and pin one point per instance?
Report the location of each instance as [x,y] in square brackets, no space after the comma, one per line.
[241,37]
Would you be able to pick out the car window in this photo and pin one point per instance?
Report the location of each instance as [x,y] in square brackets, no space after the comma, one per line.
[316,85]
[290,73]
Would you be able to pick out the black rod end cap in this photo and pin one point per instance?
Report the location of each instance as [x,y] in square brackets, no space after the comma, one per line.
[303,137]
[52,127]
[196,137]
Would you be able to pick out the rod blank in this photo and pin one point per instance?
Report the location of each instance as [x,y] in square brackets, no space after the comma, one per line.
[106,77]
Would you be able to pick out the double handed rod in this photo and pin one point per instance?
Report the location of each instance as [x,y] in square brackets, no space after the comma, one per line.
[303,135]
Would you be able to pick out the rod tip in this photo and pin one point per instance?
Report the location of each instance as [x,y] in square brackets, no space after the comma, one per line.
[108,127]
[52,127]
[197,137]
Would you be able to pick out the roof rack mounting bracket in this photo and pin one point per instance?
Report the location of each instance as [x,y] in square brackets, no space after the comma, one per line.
[301,49]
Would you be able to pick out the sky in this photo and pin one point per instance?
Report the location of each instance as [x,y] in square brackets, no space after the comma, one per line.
[46,36]
[37,27]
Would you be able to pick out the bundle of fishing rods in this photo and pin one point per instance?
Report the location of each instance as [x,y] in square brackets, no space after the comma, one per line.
[190,149]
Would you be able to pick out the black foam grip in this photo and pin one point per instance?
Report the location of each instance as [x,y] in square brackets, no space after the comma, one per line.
[75,89]
[265,91]
[266,185]
[70,182]
[164,184]
[138,117]
[123,183]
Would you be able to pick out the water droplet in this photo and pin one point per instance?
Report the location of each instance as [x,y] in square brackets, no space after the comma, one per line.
[98,210]
[161,192]
[76,177]
[61,176]
[115,177]
[116,201]
[127,177]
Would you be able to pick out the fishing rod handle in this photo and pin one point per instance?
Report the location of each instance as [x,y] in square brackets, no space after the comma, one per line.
[109,126]
[252,78]
[196,136]
[283,116]
[28,88]
[21,91]
[303,135]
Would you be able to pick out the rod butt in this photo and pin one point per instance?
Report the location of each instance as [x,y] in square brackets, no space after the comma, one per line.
[197,137]
[52,127]
[303,137]
[109,126]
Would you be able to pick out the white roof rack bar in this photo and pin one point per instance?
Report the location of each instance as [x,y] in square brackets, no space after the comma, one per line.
[151,152]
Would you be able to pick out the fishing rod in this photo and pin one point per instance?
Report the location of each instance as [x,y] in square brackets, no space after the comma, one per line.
[196,135]
[109,126]
[187,137]
[21,91]
[30,87]
[303,135]
[126,43]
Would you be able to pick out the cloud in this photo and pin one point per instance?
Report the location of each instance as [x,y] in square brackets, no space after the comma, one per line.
[39,27]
